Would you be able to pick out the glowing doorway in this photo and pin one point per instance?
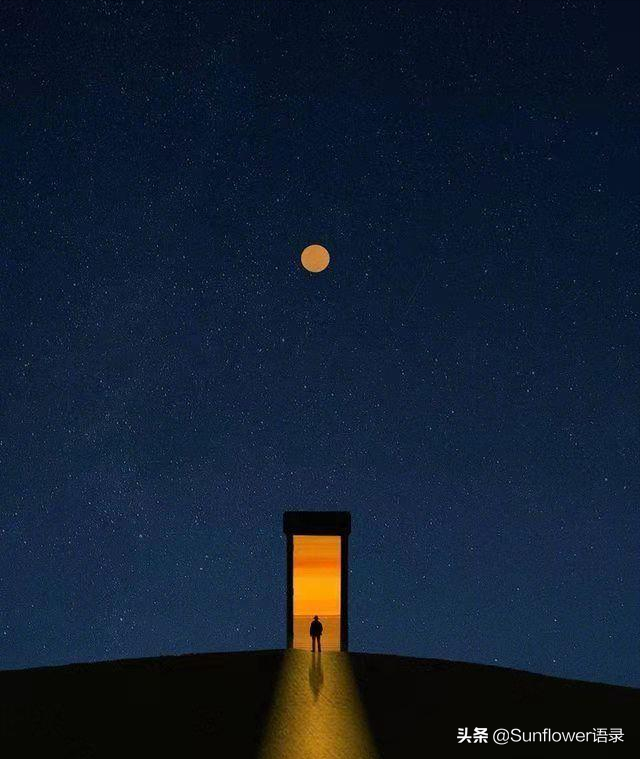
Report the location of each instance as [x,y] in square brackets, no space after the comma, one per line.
[317,576]
[316,588]
[317,545]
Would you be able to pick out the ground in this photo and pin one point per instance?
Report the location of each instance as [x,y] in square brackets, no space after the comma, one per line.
[271,704]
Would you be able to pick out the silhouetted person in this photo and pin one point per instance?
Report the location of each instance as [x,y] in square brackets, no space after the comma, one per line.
[315,631]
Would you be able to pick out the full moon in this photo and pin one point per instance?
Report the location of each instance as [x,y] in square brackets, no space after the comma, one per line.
[315,258]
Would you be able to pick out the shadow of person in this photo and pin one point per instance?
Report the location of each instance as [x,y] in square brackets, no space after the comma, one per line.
[316,676]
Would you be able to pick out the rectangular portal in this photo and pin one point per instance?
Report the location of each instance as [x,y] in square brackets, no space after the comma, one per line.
[316,588]
[317,576]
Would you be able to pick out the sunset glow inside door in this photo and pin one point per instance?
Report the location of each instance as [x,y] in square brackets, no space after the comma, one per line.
[316,589]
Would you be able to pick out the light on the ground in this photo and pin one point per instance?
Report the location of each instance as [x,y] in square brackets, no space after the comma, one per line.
[317,711]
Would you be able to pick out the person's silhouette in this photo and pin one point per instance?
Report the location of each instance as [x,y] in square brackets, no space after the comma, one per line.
[315,631]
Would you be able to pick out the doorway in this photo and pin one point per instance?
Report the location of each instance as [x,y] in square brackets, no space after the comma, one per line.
[316,588]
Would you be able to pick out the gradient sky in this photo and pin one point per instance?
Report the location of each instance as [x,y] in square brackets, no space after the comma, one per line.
[316,575]
[462,378]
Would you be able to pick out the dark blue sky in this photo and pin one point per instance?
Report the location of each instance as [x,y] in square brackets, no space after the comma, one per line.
[463,377]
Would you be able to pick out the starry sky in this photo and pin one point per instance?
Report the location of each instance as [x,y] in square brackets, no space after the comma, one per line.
[462,378]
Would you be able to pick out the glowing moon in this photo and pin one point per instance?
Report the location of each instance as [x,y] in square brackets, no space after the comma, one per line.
[315,258]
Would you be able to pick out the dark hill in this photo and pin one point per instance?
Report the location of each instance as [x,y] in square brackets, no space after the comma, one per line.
[217,705]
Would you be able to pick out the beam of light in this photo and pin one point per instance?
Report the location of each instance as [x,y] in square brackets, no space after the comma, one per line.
[317,711]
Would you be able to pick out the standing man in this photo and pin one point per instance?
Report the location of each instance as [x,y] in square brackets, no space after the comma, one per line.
[315,631]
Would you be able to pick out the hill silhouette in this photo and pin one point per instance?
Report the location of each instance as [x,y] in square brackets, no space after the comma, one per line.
[221,704]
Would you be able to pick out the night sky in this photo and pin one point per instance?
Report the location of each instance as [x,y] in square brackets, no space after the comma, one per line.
[462,378]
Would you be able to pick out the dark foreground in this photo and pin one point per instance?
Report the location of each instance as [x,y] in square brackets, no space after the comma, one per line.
[218,705]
